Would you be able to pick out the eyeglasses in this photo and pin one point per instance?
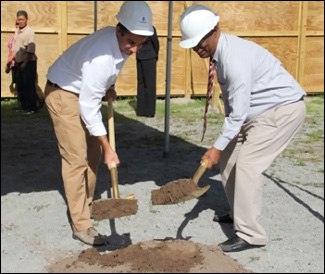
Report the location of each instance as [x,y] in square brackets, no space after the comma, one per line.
[204,38]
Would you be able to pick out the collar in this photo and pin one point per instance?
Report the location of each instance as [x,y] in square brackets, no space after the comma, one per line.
[217,53]
[22,30]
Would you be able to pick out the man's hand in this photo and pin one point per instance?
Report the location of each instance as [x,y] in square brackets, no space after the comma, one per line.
[212,155]
[111,93]
[110,155]
[7,69]
[111,158]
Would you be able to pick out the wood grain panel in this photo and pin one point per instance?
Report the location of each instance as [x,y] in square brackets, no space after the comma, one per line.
[272,24]
[42,15]
[313,77]
[315,16]
[80,16]
[250,16]
[106,13]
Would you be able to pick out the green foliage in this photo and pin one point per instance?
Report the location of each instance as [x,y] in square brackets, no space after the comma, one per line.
[10,108]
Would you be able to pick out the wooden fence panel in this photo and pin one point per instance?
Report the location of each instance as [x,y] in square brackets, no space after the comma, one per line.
[292,30]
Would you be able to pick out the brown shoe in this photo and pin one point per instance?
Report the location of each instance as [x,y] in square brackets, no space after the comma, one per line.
[90,236]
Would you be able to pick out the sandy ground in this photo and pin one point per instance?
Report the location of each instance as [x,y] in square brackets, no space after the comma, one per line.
[35,229]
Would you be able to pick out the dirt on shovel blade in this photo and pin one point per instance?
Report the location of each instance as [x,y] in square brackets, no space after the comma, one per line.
[114,208]
[173,192]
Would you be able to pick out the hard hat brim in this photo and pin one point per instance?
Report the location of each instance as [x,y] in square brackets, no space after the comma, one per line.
[142,32]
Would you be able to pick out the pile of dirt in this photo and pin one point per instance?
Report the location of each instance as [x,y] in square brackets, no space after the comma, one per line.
[173,192]
[114,208]
[172,256]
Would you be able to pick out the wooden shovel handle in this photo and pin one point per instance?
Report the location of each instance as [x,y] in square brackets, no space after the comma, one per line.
[200,171]
[111,134]
[111,130]
[114,181]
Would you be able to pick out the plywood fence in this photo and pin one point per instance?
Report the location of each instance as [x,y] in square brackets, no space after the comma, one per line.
[292,30]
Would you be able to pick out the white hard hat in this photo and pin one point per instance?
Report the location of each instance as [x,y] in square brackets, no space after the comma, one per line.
[136,16]
[196,22]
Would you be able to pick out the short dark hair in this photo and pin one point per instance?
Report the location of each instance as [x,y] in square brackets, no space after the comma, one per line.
[124,30]
[22,13]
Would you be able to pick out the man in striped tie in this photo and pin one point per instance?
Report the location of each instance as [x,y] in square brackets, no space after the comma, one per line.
[264,109]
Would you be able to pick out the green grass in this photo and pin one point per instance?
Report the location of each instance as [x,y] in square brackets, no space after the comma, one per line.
[10,109]
[314,137]
[254,258]
[315,105]
[188,112]
[38,208]
[309,148]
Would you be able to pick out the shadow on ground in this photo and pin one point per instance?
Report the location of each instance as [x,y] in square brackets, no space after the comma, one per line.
[30,161]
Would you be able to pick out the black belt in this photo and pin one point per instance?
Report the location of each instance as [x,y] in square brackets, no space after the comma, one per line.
[52,84]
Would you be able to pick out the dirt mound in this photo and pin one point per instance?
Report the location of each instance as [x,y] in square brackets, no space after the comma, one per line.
[172,256]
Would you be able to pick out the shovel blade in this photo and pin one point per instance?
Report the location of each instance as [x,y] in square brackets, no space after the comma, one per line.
[195,194]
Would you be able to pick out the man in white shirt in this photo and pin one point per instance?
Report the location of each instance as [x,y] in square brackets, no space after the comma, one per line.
[77,82]
[264,109]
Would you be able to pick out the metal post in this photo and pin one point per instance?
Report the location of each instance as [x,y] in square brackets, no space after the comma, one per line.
[168,68]
[95,15]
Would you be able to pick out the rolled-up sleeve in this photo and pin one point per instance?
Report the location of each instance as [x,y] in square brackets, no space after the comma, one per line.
[31,46]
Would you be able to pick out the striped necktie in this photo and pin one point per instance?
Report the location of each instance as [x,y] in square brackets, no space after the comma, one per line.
[209,95]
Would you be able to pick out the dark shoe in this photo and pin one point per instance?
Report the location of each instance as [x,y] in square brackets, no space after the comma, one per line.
[223,219]
[235,244]
[40,103]
[28,112]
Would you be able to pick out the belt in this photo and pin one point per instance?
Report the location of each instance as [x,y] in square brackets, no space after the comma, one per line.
[52,84]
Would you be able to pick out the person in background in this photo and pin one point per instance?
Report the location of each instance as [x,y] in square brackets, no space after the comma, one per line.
[264,110]
[77,82]
[11,65]
[147,58]
[25,60]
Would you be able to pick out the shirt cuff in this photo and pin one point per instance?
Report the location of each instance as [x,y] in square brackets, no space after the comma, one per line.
[97,129]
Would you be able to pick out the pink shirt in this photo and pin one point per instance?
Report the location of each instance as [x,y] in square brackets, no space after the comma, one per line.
[11,51]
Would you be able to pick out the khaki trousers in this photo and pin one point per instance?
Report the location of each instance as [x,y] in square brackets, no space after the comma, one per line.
[250,154]
[80,153]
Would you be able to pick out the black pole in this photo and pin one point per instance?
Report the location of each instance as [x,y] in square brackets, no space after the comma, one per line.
[168,69]
[95,15]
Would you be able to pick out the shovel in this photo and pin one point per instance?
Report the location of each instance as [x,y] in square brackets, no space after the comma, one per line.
[116,207]
[181,190]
